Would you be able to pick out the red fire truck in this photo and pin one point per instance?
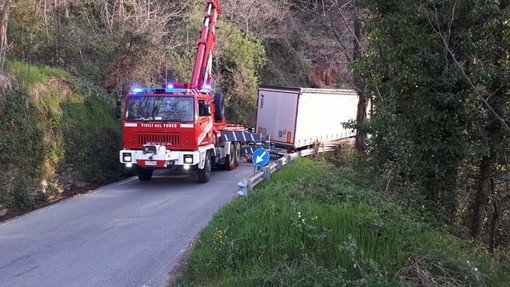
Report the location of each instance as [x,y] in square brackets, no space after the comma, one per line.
[182,125]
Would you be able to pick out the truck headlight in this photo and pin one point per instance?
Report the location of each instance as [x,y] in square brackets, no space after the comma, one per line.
[126,157]
[188,158]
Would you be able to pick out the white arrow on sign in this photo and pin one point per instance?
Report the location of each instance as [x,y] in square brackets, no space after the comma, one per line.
[260,157]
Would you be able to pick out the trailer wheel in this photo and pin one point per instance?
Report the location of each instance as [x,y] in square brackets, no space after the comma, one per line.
[219,101]
[205,173]
[232,159]
[144,174]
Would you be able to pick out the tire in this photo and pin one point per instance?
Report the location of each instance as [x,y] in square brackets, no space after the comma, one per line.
[238,154]
[144,174]
[205,173]
[232,159]
[219,101]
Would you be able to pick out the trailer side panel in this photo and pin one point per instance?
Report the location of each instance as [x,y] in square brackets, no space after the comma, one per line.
[297,117]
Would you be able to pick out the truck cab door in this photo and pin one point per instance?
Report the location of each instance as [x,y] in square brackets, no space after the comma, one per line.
[204,122]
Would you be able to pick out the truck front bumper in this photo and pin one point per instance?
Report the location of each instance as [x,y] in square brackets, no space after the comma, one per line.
[160,159]
[157,156]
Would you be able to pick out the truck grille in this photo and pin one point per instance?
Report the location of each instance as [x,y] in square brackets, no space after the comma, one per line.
[162,139]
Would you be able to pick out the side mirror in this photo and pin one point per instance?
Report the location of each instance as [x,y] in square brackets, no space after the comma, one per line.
[118,109]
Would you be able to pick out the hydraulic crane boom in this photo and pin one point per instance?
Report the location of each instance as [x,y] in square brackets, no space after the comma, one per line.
[202,70]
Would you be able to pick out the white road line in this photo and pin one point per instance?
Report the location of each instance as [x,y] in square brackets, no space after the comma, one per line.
[126,181]
[46,208]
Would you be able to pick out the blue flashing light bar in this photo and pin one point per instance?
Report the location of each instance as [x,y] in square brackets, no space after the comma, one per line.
[176,90]
[168,89]
[137,90]
[140,90]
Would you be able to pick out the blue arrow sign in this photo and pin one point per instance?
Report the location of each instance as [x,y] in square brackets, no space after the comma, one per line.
[260,157]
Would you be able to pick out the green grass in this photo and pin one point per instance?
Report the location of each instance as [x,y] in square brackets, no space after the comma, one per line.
[311,225]
[30,75]
[51,122]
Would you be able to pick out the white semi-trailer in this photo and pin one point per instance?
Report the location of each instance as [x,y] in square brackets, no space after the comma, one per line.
[294,118]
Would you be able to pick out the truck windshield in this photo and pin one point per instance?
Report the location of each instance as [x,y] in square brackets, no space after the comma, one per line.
[164,108]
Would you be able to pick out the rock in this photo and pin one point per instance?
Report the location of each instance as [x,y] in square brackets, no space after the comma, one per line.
[80,184]
[3,211]
[44,186]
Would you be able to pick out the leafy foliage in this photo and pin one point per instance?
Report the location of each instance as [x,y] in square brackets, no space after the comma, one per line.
[239,60]
[418,125]
[108,43]
[311,225]
[280,70]
[430,82]
[52,127]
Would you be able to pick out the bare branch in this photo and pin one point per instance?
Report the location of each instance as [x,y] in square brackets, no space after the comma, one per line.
[351,31]
[339,39]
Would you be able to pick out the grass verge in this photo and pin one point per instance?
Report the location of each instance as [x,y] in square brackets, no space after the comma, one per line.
[312,225]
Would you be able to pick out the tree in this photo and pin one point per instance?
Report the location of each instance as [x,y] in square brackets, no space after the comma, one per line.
[239,58]
[439,79]
[418,125]
[481,43]
[486,41]
[343,19]
[6,11]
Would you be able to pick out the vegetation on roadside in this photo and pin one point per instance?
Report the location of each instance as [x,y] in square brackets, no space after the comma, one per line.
[436,74]
[315,224]
[57,134]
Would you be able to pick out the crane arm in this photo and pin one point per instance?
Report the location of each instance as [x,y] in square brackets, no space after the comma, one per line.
[202,70]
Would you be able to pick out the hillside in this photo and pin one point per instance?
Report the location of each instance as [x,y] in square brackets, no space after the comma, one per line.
[58,136]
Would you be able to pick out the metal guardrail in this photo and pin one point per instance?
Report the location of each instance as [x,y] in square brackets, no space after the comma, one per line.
[248,183]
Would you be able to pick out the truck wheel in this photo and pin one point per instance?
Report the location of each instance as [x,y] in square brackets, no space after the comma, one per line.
[238,154]
[205,173]
[232,159]
[144,174]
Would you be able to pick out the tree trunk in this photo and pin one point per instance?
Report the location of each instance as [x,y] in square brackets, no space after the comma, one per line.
[483,187]
[359,86]
[494,221]
[482,196]
[6,9]
[361,117]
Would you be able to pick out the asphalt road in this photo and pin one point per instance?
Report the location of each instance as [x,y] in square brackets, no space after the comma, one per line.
[127,233]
